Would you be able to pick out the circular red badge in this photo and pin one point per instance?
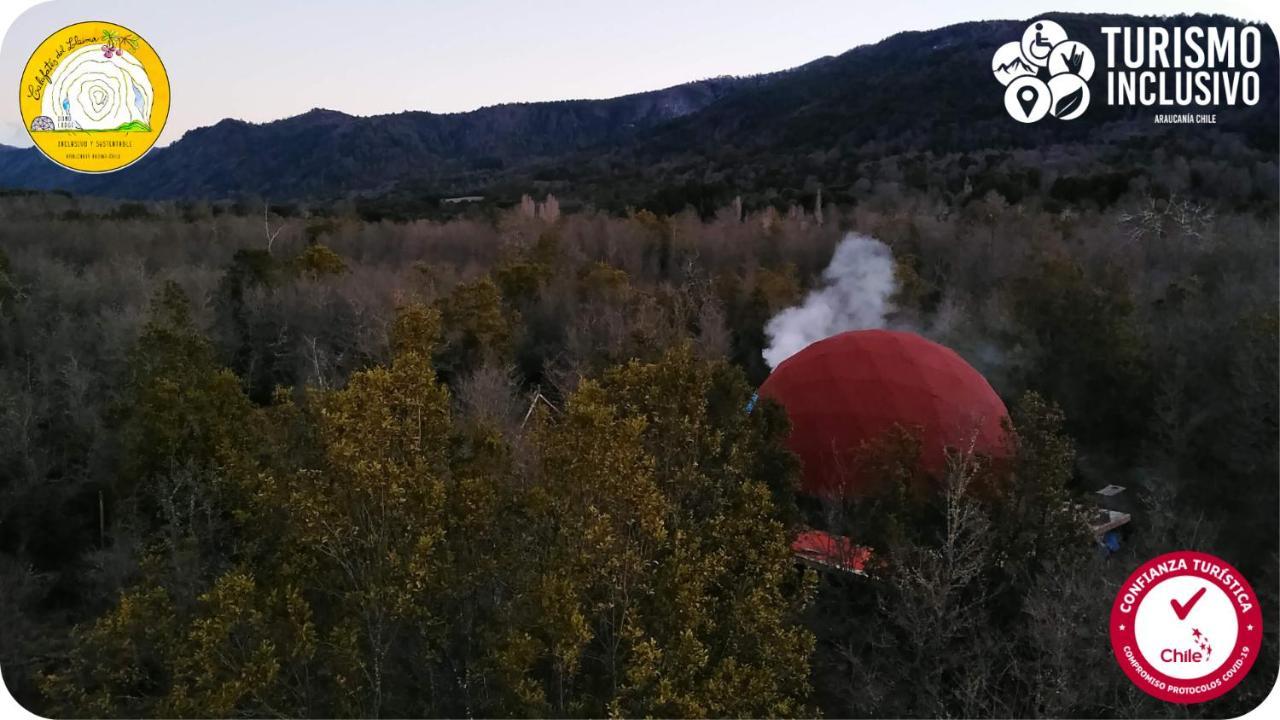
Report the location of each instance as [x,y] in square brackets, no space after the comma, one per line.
[1186,627]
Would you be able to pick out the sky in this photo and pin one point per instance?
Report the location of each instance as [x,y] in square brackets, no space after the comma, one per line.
[260,60]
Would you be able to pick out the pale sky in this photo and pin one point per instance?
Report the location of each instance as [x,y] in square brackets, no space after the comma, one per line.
[261,60]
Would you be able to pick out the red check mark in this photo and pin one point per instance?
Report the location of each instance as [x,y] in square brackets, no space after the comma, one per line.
[1182,609]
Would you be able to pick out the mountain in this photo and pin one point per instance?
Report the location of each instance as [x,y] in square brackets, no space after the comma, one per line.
[325,153]
[934,90]
[910,101]
[915,92]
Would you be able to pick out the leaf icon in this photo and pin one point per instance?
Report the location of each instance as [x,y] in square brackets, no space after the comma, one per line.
[1069,103]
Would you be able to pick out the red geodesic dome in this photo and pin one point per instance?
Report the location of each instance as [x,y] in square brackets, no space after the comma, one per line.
[850,389]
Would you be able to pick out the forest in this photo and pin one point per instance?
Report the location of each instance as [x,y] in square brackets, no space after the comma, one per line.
[305,461]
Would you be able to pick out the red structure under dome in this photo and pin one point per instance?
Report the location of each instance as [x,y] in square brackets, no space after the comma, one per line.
[826,551]
[850,389]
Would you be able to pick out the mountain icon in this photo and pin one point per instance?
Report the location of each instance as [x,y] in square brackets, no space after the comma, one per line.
[1009,64]
[1015,65]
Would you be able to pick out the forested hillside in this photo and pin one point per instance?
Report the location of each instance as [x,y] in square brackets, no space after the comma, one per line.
[326,154]
[920,101]
[919,97]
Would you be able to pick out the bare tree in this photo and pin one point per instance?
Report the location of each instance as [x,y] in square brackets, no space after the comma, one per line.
[266,226]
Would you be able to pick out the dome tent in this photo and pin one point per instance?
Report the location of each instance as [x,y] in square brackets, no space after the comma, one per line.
[849,390]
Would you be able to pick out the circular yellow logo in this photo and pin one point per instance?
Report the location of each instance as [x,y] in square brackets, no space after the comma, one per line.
[94,97]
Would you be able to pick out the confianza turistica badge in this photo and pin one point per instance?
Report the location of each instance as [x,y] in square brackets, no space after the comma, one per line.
[94,96]
[1186,627]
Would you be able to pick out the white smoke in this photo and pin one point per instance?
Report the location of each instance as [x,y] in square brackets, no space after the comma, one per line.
[854,295]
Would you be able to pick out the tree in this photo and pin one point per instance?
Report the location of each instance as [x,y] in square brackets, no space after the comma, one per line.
[8,285]
[938,627]
[722,637]
[367,523]
[185,420]
[1092,361]
[317,261]
[477,327]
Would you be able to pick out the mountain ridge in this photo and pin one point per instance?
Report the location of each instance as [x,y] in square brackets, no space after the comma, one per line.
[916,90]
[298,156]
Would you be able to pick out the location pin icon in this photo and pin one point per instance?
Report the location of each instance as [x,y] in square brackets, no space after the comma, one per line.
[1027,98]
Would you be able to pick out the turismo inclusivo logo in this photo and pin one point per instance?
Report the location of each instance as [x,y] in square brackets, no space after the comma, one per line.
[1044,52]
